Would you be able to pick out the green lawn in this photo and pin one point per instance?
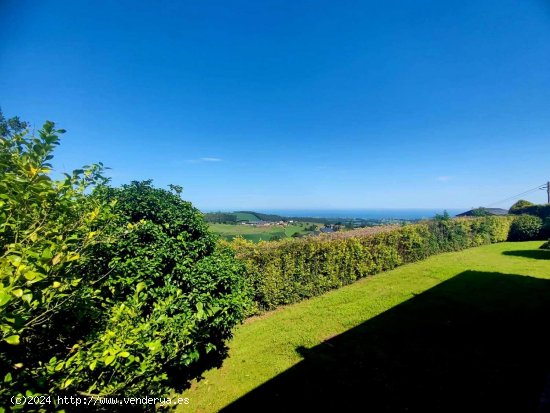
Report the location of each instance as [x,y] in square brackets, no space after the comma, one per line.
[465,331]
[255,234]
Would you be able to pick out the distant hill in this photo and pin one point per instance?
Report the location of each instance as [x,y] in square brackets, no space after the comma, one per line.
[241,216]
[481,211]
[263,217]
[251,216]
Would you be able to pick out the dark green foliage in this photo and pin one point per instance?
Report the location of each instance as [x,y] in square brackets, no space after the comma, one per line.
[525,228]
[12,126]
[47,232]
[265,217]
[541,211]
[119,292]
[442,217]
[480,212]
[220,218]
[519,205]
[172,297]
[291,270]
[545,230]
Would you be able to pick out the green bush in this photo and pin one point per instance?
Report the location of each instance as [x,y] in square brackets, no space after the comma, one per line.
[545,230]
[295,269]
[525,228]
[527,208]
[520,205]
[173,297]
[47,231]
[105,291]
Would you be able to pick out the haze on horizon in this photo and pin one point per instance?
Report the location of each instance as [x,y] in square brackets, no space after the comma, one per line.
[293,104]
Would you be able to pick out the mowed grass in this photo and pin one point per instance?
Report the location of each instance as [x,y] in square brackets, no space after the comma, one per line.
[464,331]
[256,234]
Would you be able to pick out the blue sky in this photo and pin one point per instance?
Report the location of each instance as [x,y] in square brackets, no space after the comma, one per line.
[292,104]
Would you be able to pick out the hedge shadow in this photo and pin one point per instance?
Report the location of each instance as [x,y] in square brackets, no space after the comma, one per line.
[535,254]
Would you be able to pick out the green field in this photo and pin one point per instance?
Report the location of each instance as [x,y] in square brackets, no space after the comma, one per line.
[256,234]
[245,216]
[455,332]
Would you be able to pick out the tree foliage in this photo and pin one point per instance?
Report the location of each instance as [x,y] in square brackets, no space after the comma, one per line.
[525,228]
[519,205]
[11,126]
[105,291]
[527,208]
[47,228]
[174,296]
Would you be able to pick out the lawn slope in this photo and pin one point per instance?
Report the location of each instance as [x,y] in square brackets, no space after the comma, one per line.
[454,330]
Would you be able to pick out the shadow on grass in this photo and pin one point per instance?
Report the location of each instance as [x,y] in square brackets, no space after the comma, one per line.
[477,342]
[535,254]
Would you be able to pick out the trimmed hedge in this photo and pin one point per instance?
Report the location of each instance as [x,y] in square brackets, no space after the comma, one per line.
[525,228]
[542,211]
[289,271]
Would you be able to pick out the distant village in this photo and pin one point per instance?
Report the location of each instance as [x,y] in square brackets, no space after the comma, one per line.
[266,223]
[328,228]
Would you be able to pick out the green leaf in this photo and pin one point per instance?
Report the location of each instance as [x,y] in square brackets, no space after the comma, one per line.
[33,275]
[140,286]
[47,254]
[109,359]
[67,383]
[18,292]
[15,260]
[4,298]
[13,340]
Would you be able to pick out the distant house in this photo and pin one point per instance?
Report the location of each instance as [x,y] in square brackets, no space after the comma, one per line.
[483,211]
[326,230]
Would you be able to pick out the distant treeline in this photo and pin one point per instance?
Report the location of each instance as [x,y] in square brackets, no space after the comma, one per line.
[265,217]
[220,217]
[233,218]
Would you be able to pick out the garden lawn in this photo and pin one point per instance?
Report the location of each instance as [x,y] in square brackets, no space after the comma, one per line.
[463,331]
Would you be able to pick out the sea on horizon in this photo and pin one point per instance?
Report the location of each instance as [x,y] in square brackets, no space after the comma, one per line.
[368,213]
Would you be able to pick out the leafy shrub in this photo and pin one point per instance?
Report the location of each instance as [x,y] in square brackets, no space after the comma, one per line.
[291,270]
[520,205]
[47,230]
[120,292]
[173,297]
[525,228]
[541,211]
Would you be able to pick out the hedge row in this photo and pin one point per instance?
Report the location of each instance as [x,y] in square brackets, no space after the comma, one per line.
[541,211]
[289,271]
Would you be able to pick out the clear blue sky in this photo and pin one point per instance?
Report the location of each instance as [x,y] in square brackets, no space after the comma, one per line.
[291,104]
